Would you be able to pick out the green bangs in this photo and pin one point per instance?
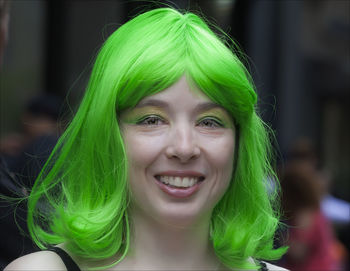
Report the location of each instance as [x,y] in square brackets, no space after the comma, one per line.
[159,50]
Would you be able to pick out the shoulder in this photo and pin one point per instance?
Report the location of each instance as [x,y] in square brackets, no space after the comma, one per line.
[42,260]
[272,267]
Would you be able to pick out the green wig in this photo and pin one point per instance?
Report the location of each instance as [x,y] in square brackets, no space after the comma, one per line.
[81,196]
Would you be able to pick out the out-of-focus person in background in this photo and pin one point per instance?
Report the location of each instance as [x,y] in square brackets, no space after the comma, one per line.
[312,243]
[310,236]
[26,152]
[335,209]
[9,231]
[22,155]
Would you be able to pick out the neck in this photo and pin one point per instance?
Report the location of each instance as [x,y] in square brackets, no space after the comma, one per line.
[169,246]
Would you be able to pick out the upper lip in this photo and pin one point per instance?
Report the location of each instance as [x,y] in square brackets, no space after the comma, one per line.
[180,173]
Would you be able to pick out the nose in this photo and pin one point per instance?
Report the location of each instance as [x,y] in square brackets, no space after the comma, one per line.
[182,144]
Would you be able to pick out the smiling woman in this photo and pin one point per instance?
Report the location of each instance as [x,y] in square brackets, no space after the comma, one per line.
[164,165]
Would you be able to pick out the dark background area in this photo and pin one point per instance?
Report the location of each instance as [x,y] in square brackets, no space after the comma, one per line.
[298,54]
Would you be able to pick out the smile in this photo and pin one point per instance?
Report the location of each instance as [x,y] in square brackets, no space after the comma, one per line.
[181,185]
[177,181]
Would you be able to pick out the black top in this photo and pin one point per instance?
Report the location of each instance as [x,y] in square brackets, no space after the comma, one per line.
[72,266]
[263,266]
[67,260]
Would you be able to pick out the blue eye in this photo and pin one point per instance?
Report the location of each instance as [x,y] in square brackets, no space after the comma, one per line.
[151,121]
[210,123]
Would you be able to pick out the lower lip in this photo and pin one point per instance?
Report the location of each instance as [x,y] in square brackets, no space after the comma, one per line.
[178,192]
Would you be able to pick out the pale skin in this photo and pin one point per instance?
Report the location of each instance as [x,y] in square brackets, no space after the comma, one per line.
[175,132]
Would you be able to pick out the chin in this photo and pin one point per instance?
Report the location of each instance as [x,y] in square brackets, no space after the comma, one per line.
[182,214]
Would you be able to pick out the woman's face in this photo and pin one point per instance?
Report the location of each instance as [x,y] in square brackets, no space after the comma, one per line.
[180,148]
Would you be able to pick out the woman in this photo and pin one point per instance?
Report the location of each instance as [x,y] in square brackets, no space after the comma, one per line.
[163,166]
[310,237]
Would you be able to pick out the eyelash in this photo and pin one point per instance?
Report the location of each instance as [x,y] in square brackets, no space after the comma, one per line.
[213,122]
[144,120]
[153,120]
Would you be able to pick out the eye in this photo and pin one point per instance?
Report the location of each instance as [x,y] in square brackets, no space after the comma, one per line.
[151,120]
[210,122]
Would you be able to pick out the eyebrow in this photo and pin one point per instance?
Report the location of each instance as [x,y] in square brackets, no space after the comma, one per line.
[159,103]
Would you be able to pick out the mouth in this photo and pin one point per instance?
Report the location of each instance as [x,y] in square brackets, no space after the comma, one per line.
[179,184]
[179,181]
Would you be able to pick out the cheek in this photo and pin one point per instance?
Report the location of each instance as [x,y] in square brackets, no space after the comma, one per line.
[225,157]
[222,154]
[222,161]
[228,160]
[226,168]
[141,150]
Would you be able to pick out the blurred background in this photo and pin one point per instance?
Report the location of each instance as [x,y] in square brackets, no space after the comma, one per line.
[298,54]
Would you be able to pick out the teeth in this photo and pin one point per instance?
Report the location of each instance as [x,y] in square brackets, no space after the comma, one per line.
[164,179]
[179,181]
[186,182]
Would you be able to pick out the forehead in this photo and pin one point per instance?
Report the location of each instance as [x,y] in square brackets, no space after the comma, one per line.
[178,94]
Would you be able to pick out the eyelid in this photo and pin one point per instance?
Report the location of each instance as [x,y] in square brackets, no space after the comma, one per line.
[145,117]
[213,118]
